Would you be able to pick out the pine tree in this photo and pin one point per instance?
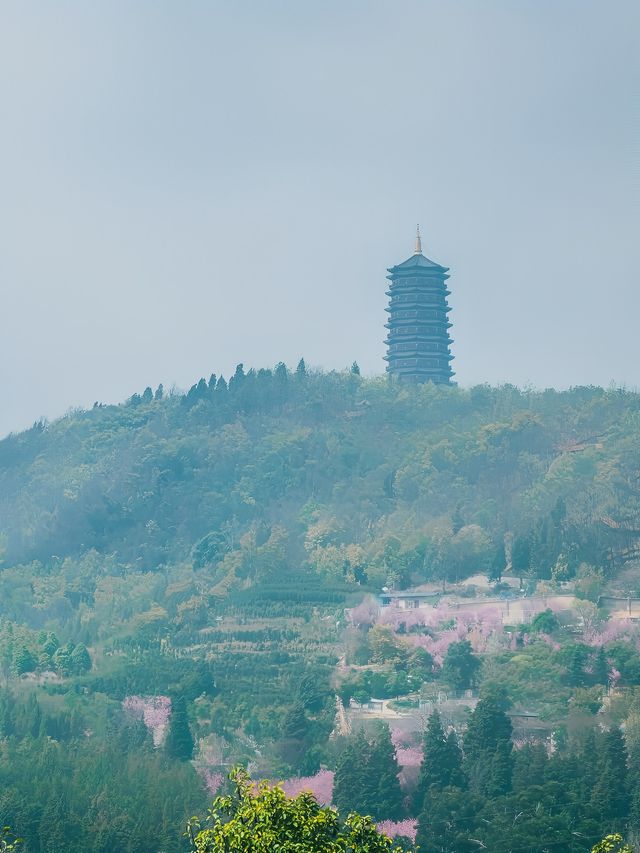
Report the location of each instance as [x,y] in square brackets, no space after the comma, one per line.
[295,725]
[499,563]
[441,761]
[179,743]
[600,672]
[238,379]
[147,395]
[353,787]
[355,369]
[383,769]
[32,718]
[521,556]
[448,821]
[159,392]
[610,799]
[23,661]
[301,369]
[487,748]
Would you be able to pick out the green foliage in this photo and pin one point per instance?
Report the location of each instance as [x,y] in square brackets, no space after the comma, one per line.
[267,820]
[544,623]
[206,545]
[179,743]
[8,841]
[366,777]
[612,844]
[441,762]
[460,666]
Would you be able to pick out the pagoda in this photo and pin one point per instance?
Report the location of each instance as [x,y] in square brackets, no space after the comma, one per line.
[418,339]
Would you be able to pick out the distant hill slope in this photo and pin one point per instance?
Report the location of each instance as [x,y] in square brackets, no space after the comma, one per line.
[349,478]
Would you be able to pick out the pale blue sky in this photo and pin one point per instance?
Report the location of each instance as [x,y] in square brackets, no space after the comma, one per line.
[187,185]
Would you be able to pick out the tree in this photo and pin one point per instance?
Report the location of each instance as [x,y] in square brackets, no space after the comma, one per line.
[352,784]
[600,669]
[521,556]
[301,369]
[179,743]
[460,666]
[612,844]
[355,369]
[266,820]
[610,794]
[80,659]
[383,769]
[545,623]
[295,723]
[23,661]
[488,758]
[448,821]
[441,760]
[238,378]
[498,563]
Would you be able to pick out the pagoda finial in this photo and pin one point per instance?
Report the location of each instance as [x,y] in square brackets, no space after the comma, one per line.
[418,249]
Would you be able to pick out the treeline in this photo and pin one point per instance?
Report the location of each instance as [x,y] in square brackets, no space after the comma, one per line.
[479,791]
[66,787]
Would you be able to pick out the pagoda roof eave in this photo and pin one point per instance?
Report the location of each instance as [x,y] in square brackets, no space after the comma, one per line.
[418,262]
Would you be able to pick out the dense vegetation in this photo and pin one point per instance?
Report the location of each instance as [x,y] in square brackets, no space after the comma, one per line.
[174,574]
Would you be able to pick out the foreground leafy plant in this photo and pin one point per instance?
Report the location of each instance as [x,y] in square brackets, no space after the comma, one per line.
[264,819]
[8,841]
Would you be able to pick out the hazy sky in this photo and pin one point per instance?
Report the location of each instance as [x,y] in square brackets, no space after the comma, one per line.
[189,184]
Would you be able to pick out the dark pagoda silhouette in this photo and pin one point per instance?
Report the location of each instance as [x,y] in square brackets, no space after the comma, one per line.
[418,340]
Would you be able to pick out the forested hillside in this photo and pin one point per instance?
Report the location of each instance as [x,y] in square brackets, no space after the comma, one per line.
[177,573]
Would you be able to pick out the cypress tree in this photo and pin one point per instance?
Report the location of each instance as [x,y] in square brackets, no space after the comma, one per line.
[352,785]
[80,659]
[23,661]
[600,673]
[499,563]
[441,761]
[488,749]
[610,794]
[179,743]
[386,803]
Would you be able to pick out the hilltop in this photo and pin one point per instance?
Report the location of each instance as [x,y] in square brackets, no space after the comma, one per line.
[190,580]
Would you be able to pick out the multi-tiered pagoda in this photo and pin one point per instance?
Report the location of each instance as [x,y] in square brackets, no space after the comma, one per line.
[418,341]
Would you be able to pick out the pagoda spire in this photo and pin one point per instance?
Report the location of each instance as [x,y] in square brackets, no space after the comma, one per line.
[418,249]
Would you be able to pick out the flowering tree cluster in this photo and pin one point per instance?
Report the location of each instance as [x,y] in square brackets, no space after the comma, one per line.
[399,829]
[154,711]
[320,785]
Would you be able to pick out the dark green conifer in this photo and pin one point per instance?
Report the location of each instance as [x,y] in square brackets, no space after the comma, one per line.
[441,761]
[460,666]
[23,661]
[488,758]
[179,743]
[386,802]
